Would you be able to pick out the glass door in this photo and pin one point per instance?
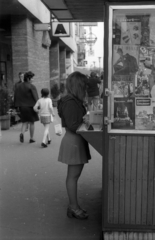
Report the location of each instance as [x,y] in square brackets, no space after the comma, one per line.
[131,72]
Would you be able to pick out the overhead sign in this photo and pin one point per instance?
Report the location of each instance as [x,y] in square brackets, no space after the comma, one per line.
[42,27]
[60,29]
[89,24]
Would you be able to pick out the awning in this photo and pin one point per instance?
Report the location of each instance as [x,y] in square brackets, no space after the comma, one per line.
[81,10]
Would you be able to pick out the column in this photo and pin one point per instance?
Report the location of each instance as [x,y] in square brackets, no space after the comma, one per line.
[54,64]
[62,64]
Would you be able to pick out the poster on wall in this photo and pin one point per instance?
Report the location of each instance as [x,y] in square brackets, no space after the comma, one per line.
[145,113]
[147,58]
[125,62]
[146,74]
[124,113]
[134,29]
[123,88]
[130,33]
[127,30]
[152,30]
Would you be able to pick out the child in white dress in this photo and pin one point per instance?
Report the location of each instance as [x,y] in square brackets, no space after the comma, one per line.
[45,109]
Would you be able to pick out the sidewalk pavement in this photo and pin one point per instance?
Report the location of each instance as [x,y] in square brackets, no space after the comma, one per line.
[33,198]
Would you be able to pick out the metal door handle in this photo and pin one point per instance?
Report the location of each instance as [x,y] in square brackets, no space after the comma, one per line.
[110,117]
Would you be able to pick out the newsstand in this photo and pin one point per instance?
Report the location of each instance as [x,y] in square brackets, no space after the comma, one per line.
[127,138]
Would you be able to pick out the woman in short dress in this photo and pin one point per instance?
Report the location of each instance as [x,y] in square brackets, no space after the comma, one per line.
[74,149]
[25,98]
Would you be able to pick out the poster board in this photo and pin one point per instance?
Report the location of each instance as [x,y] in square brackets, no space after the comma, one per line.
[132,77]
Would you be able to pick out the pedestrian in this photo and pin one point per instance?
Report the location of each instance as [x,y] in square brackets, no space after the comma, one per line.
[74,149]
[25,98]
[93,91]
[21,79]
[101,90]
[45,109]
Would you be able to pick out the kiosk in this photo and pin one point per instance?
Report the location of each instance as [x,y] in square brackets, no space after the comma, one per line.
[128,142]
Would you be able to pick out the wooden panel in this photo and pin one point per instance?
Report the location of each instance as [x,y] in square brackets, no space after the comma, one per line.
[116,180]
[150,181]
[139,181]
[144,180]
[131,177]
[111,180]
[128,181]
[154,190]
[122,179]
[128,236]
[133,180]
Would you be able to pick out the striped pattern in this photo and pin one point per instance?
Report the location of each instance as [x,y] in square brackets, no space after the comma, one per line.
[128,236]
[131,176]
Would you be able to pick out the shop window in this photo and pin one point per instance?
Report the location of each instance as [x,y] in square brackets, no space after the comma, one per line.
[132,71]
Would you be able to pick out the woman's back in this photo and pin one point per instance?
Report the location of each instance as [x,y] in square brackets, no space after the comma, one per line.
[25,95]
[45,105]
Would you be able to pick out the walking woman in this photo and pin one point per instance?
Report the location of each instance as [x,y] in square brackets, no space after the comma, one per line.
[25,98]
[45,109]
[74,150]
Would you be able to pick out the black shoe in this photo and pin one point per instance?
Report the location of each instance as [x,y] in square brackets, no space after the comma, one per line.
[31,141]
[21,138]
[49,141]
[44,145]
[78,213]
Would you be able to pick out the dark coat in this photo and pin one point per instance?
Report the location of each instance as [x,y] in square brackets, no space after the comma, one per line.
[26,95]
[71,112]
[92,87]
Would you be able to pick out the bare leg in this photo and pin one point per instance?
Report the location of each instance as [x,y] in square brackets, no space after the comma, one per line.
[73,174]
[31,130]
[46,136]
[23,129]
[24,126]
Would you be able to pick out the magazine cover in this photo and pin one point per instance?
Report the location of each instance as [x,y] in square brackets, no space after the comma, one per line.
[146,73]
[125,62]
[127,30]
[131,33]
[123,88]
[142,85]
[146,57]
[145,40]
[145,113]
[152,30]
[124,114]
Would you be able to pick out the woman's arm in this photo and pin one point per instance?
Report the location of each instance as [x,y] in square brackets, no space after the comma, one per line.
[34,92]
[51,107]
[36,106]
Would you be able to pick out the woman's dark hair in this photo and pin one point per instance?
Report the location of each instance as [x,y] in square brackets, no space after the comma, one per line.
[28,76]
[76,85]
[44,92]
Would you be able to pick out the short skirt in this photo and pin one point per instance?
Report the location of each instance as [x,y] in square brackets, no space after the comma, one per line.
[45,119]
[74,149]
[27,114]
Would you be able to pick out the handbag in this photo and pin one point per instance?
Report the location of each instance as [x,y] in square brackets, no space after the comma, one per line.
[58,128]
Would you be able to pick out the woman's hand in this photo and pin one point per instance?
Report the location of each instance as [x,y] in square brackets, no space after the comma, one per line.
[86,119]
